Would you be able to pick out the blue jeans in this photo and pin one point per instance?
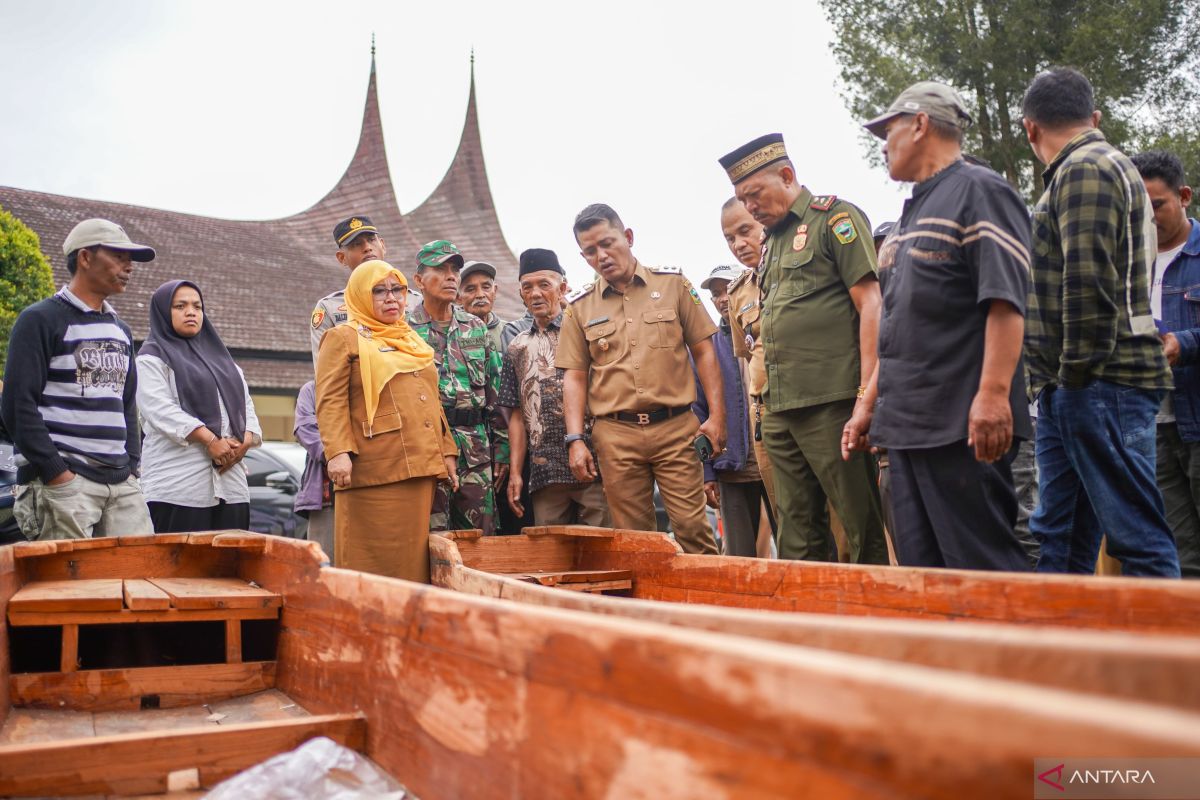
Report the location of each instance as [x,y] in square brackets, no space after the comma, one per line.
[1096,464]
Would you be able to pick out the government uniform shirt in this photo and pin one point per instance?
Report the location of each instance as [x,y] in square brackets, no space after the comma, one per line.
[809,322]
[962,242]
[632,343]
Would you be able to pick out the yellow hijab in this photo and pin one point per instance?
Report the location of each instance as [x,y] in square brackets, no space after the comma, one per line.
[384,350]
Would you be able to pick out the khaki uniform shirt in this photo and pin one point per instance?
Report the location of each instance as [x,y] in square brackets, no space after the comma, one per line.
[330,311]
[809,322]
[745,323]
[632,343]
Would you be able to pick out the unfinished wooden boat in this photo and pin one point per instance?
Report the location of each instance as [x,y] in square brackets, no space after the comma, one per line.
[462,696]
[610,572]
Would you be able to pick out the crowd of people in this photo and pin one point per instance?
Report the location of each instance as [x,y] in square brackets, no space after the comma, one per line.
[974,385]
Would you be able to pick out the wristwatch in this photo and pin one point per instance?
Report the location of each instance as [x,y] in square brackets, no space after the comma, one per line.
[574,437]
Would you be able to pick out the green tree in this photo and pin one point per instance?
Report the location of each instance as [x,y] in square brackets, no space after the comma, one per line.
[25,275]
[1140,55]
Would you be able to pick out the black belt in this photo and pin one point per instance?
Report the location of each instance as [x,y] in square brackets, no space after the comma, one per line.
[463,417]
[647,417]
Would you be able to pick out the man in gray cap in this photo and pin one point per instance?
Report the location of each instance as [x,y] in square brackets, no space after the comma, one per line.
[732,481]
[70,391]
[947,398]
[477,294]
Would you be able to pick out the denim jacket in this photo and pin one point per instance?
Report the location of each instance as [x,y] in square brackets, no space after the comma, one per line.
[1181,316]
[737,409]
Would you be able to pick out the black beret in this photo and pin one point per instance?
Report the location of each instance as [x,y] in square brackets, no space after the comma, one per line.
[537,259]
[753,156]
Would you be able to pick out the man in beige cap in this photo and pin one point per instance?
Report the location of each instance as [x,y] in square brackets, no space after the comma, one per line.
[951,395]
[69,399]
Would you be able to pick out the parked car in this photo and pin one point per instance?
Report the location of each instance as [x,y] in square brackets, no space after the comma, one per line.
[274,472]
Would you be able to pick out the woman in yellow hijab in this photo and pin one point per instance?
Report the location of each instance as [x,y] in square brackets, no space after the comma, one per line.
[386,438]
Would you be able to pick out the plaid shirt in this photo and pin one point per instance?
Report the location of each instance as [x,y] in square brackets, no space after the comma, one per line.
[1094,246]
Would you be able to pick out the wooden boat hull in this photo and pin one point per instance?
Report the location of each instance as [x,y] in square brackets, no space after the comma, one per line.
[469,696]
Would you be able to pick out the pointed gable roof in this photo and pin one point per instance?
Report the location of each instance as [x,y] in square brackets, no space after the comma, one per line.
[261,279]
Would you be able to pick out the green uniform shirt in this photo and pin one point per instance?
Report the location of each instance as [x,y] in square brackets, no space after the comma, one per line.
[809,323]
[468,379]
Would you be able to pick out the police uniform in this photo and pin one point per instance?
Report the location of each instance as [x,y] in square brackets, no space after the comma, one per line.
[745,311]
[640,390]
[809,332]
[331,309]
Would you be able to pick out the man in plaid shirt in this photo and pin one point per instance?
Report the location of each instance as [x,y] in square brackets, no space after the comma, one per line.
[1095,361]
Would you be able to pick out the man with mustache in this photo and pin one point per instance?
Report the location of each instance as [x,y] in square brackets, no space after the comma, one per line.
[477,295]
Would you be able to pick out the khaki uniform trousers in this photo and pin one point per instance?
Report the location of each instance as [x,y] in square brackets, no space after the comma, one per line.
[571,504]
[804,446]
[385,529]
[633,457]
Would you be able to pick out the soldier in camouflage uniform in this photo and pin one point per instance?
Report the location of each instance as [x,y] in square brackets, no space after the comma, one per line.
[469,383]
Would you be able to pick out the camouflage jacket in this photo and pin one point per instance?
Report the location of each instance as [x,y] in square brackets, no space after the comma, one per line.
[468,368]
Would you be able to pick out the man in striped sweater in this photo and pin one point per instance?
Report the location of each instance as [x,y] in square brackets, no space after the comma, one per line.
[69,399]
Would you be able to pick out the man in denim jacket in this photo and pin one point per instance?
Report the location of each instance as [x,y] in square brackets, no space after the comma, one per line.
[1175,304]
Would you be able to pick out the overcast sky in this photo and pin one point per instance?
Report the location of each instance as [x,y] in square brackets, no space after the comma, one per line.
[251,110]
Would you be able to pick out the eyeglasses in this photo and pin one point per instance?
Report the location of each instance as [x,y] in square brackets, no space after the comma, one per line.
[398,292]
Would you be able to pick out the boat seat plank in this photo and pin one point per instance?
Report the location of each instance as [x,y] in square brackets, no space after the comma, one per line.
[142,595]
[98,594]
[123,689]
[28,725]
[195,593]
[585,580]
[141,762]
[21,619]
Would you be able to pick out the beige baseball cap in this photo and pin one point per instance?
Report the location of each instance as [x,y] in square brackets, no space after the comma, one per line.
[92,232]
[939,101]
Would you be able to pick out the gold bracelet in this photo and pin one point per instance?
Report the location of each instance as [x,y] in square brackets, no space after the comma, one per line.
[861,391]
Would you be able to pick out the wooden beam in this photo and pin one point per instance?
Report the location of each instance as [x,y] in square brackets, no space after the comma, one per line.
[193,593]
[19,619]
[70,648]
[142,595]
[140,762]
[123,689]
[89,595]
[233,641]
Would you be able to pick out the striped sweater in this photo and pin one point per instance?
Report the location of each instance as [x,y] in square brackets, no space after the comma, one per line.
[70,391]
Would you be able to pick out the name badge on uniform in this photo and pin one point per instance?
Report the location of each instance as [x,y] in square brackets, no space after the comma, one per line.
[596,321]
[801,238]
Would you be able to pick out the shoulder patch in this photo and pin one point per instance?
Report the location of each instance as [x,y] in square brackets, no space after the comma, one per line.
[845,231]
[581,292]
[692,291]
[824,202]
[740,279]
[665,270]
[318,316]
[838,217]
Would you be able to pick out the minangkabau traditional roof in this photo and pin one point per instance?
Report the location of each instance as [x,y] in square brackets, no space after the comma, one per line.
[261,279]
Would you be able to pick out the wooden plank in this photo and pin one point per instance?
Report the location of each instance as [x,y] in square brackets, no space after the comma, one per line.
[597,586]
[163,560]
[27,725]
[194,593]
[577,576]
[142,595]
[509,554]
[569,530]
[18,619]
[233,641]
[97,543]
[69,661]
[258,707]
[140,762]
[34,549]
[155,539]
[244,541]
[88,595]
[111,723]
[119,689]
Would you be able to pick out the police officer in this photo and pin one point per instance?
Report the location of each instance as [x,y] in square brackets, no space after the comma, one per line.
[621,345]
[469,386]
[820,317]
[358,240]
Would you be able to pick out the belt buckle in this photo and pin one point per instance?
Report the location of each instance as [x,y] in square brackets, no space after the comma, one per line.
[643,418]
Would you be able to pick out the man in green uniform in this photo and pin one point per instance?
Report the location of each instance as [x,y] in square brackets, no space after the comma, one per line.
[469,384]
[820,319]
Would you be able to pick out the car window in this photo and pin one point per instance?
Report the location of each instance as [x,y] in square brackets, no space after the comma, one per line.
[259,466]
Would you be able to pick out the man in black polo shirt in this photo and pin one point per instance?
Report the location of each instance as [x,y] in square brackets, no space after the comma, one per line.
[949,386]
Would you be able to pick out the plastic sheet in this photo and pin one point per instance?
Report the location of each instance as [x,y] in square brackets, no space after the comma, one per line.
[319,769]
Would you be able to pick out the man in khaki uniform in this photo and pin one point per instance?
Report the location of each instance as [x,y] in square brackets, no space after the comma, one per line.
[819,288]
[622,346]
[358,240]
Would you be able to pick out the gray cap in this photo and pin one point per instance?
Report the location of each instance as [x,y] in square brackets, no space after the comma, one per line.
[939,101]
[725,272]
[92,232]
[476,266]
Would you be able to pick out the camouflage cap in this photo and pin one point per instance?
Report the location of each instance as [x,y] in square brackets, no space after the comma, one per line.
[436,253]
[939,101]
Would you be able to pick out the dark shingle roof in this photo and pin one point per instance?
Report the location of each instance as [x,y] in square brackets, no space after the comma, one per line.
[262,278]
